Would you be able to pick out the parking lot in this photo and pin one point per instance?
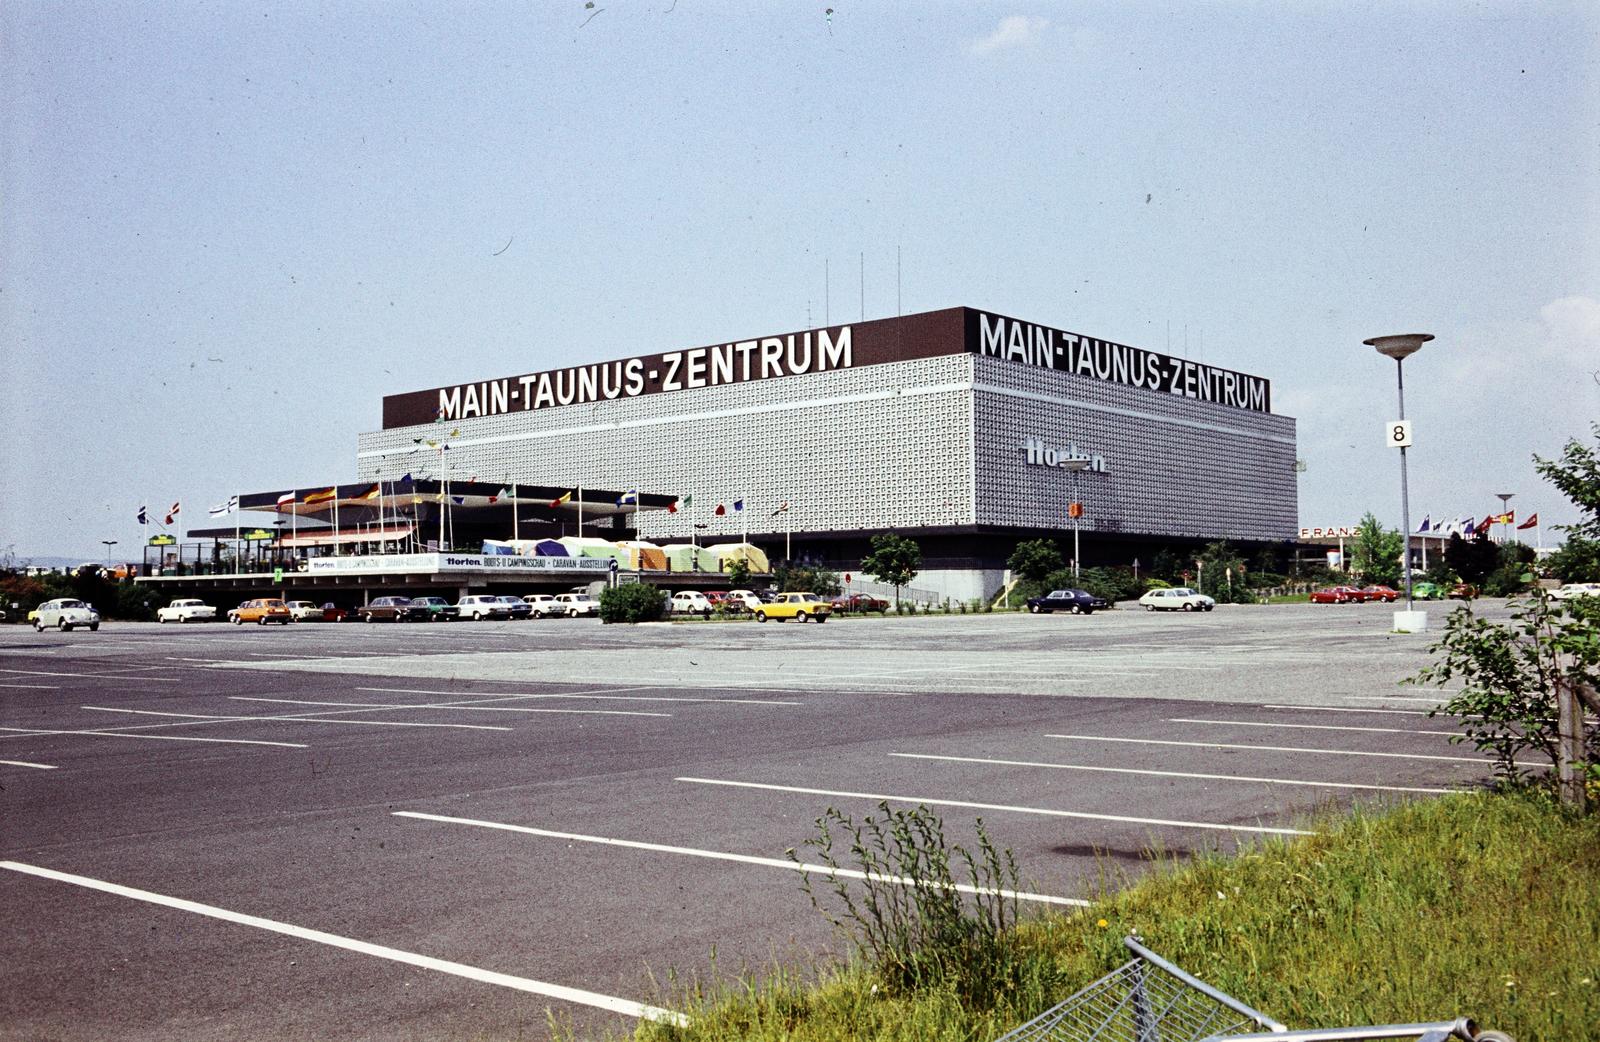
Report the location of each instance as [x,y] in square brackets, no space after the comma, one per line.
[447,830]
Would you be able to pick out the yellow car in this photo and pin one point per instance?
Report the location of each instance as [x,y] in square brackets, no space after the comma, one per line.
[796,606]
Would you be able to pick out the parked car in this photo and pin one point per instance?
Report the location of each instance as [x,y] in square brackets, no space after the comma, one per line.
[1567,591]
[1078,602]
[65,614]
[481,606]
[435,609]
[262,611]
[1426,591]
[796,606]
[304,611]
[576,604]
[1178,598]
[186,610]
[717,598]
[859,602]
[1381,593]
[690,602]
[543,605]
[390,609]
[516,607]
[742,602]
[333,613]
[1337,595]
[1463,592]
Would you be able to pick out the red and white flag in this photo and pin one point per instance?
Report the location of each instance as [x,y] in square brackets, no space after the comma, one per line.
[1533,519]
[173,513]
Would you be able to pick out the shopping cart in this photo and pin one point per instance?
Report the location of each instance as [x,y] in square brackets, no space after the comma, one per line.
[1148,999]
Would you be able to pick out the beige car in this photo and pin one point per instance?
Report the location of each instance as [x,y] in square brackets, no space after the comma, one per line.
[262,611]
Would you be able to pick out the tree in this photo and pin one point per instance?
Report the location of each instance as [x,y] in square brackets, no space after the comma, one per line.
[1375,555]
[1223,577]
[1577,475]
[1472,559]
[894,560]
[739,573]
[1034,559]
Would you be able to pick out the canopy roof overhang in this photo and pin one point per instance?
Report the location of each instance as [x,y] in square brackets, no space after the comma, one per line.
[534,502]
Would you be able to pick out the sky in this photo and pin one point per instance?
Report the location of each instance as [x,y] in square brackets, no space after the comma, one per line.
[229,229]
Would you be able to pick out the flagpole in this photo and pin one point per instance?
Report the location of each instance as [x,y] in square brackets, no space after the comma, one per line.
[580,511]
[744,515]
[515,520]
[338,544]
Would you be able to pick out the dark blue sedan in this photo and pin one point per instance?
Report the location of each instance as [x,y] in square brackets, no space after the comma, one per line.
[1078,602]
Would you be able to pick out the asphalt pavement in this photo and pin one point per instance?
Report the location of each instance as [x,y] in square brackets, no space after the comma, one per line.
[463,830]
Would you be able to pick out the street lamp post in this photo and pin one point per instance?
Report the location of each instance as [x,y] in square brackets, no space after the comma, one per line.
[108,543]
[1399,347]
[1075,466]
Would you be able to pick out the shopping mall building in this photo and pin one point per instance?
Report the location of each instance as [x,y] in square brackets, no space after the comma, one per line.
[965,430]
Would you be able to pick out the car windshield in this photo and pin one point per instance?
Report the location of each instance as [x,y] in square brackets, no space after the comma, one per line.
[71,604]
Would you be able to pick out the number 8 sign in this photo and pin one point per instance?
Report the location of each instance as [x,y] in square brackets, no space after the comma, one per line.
[1397,434]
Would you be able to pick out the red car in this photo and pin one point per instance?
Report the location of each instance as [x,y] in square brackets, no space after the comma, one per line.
[1381,593]
[1337,595]
[716,597]
[860,602]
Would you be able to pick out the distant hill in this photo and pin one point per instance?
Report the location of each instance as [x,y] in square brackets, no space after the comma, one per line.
[39,561]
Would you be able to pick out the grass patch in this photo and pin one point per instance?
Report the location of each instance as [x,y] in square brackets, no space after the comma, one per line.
[1481,905]
[1289,598]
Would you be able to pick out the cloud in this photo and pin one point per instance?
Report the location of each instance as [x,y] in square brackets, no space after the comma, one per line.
[1017,30]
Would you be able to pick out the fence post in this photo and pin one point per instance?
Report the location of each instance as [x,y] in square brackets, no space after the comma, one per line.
[1569,744]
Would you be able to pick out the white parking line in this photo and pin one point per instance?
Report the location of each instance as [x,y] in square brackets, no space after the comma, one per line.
[1271,748]
[1168,774]
[1309,727]
[306,718]
[1348,709]
[448,705]
[1047,812]
[25,763]
[92,676]
[36,687]
[746,859]
[504,980]
[23,732]
[1391,698]
[488,695]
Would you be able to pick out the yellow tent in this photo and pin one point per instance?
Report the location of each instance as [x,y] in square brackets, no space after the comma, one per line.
[727,553]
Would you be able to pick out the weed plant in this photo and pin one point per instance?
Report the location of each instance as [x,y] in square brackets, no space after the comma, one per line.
[906,918]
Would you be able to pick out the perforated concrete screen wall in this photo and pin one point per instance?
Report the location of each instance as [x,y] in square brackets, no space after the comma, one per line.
[1171,466]
[875,448]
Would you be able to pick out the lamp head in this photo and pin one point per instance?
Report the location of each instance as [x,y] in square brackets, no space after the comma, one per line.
[1399,345]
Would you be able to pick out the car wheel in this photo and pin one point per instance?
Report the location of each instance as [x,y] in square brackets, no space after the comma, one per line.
[38,627]
[761,616]
[93,626]
[801,616]
[1088,611]
[1076,610]
[261,621]
[477,616]
[160,620]
[1149,607]
[1188,607]
[63,625]
[237,621]
[1210,606]
[821,619]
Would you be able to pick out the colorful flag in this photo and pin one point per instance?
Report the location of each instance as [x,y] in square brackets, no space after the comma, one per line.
[629,498]
[563,500]
[1486,524]
[225,508]
[459,500]
[1424,526]
[173,513]
[286,500]
[1509,517]
[672,507]
[738,505]
[782,509]
[1533,519]
[144,515]
[371,493]
[496,497]
[683,501]
[321,495]
[720,510]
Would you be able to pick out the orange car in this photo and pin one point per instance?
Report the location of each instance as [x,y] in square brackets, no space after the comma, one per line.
[262,611]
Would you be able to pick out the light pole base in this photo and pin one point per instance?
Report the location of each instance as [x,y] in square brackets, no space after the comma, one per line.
[1410,622]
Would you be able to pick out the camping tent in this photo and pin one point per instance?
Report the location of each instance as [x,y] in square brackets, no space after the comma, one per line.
[687,557]
[727,553]
[643,556]
[588,546]
[548,548]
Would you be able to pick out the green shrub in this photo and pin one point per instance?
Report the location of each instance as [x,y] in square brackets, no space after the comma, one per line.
[634,602]
[909,922]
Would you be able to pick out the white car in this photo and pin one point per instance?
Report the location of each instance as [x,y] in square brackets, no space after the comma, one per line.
[186,611]
[691,602]
[305,611]
[64,613]
[742,600]
[1567,591]
[576,604]
[544,605]
[1179,598]
[478,607]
